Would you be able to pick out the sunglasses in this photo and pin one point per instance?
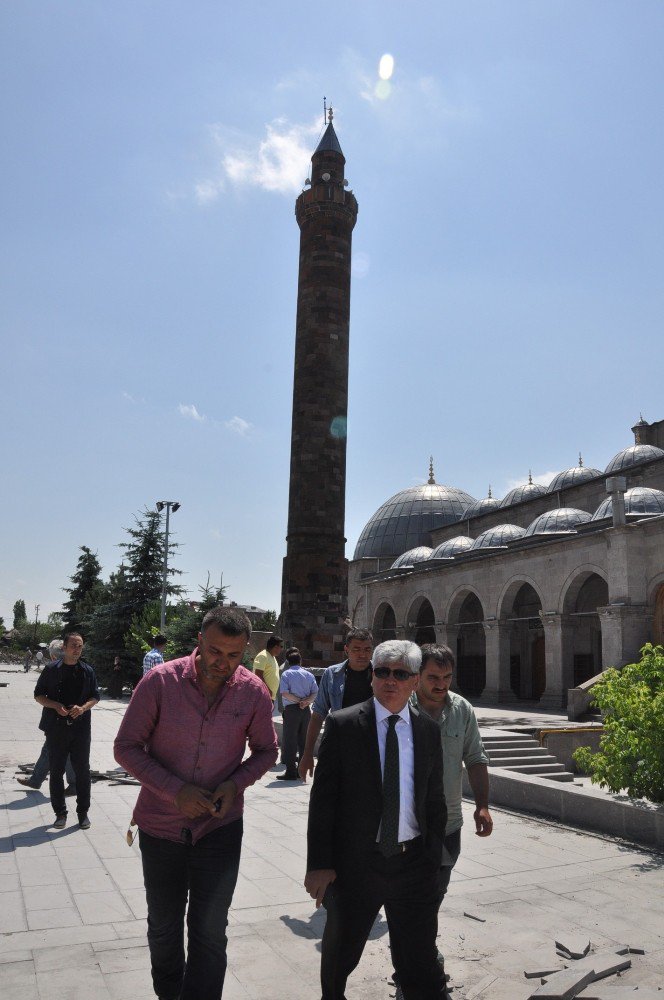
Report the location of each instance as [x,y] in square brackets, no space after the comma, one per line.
[382,673]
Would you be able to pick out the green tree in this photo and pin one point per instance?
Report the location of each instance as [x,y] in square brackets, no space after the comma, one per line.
[87,591]
[144,555]
[631,750]
[20,614]
[266,622]
[183,628]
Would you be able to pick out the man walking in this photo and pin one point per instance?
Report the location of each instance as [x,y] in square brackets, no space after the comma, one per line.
[341,686]
[376,824]
[67,691]
[155,656]
[184,736]
[298,689]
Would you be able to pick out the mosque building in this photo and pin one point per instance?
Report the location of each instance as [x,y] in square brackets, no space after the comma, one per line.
[536,593]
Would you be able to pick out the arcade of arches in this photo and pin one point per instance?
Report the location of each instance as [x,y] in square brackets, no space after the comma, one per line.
[525,652]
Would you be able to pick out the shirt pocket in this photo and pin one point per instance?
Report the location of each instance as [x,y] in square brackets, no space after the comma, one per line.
[452,744]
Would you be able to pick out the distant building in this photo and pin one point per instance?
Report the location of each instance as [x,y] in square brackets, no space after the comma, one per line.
[536,592]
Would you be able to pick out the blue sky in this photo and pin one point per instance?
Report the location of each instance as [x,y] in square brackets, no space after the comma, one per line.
[507,296]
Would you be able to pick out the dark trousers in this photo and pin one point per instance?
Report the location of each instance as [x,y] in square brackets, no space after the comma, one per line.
[294,734]
[206,873]
[452,848]
[72,741]
[406,886]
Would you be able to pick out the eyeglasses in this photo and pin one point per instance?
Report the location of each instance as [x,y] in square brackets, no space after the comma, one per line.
[382,673]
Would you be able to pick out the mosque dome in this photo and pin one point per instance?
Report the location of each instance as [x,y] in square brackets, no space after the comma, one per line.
[452,547]
[560,521]
[640,500]
[525,492]
[633,455]
[497,537]
[406,519]
[572,477]
[482,506]
[413,556]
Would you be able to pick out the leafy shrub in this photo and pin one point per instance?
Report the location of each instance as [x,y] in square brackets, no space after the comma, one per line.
[631,750]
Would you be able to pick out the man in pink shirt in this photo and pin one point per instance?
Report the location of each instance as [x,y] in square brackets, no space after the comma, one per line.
[184,736]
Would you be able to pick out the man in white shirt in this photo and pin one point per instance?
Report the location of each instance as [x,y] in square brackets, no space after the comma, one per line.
[376,824]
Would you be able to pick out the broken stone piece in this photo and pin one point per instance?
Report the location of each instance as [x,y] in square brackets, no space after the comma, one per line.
[472,916]
[564,985]
[542,973]
[575,945]
[605,963]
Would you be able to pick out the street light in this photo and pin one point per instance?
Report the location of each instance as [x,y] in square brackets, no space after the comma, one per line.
[170,505]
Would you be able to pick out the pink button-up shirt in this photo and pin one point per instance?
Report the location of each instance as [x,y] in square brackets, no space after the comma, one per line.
[170,737]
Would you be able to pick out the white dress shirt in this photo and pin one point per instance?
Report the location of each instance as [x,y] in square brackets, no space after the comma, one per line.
[408,825]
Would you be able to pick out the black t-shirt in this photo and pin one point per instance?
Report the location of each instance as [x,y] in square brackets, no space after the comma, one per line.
[357,687]
[71,689]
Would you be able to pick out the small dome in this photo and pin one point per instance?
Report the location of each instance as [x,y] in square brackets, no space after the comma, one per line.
[525,492]
[482,506]
[498,537]
[452,547]
[572,477]
[560,521]
[406,519]
[640,500]
[634,455]
[416,555]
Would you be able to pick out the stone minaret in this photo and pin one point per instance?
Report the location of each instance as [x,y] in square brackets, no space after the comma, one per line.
[314,596]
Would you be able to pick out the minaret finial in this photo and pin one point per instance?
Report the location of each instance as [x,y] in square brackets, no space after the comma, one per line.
[490,493]
[530,477]
[432,481]
[330,114]
[580,460]
[324,111]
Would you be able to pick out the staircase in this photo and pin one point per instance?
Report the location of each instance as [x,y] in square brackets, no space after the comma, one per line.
[516,752]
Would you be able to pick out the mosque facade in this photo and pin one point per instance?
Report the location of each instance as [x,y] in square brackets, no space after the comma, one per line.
[536,593]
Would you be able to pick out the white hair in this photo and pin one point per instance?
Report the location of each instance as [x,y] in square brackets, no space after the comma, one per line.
[55,649]
[398,651]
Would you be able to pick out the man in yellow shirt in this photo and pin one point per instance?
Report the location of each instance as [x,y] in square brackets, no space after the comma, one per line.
[266,666]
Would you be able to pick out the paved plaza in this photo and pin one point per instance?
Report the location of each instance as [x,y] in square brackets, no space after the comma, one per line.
[72,913]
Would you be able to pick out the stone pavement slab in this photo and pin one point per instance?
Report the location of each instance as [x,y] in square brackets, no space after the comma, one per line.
[79,893]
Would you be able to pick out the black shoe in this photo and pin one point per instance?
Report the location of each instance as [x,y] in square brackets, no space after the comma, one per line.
[69,791]
[288,776]
[60,821]
[28,784]
[83,821]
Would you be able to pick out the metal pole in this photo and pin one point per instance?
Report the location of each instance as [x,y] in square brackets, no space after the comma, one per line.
[165,578]
[34,637]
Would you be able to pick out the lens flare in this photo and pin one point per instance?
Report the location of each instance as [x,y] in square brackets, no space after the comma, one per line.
[386,66]
[338,427]
[383,90]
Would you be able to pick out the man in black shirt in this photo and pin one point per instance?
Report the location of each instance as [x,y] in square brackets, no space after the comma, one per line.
[67,691]
[342,685]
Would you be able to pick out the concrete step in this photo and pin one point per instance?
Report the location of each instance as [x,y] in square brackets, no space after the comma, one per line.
[542,769]
[560,776]
[497,753]
[508,744]
[516,760]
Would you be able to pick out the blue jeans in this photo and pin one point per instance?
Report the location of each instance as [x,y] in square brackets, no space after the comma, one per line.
[206,873]
[43,766]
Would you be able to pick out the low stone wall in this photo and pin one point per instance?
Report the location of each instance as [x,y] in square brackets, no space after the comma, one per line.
[617,815]
[563,745]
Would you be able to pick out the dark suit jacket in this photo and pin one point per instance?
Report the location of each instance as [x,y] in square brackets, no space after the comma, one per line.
[346,800]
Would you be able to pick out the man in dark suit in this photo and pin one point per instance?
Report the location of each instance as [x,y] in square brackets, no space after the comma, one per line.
[376,825]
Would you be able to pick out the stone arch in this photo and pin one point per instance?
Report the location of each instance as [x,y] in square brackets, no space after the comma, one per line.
[421,621]
[574,583]
[384,623]
[471,646]
[519,607]
[583,593]
[456,602]
[656,602]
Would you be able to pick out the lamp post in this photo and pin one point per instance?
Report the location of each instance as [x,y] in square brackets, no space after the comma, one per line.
[170,505]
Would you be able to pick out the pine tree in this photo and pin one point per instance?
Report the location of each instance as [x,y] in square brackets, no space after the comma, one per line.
[144,556]
[87,592]
[20,614]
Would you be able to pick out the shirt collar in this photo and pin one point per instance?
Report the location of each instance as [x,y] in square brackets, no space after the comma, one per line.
[384,713]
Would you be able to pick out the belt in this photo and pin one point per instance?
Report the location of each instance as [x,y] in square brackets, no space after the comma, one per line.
[403,846]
